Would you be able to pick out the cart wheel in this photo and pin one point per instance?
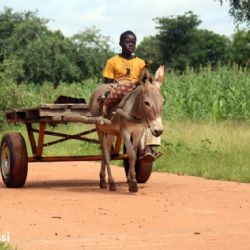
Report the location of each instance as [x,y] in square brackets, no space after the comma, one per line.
[143,169]
[14,160]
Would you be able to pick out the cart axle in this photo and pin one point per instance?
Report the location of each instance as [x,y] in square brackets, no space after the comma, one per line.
[75,158]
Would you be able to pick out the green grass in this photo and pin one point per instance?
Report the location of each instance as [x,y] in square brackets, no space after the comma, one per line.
[67,148]
[208,149]
[4,246]
[211,150]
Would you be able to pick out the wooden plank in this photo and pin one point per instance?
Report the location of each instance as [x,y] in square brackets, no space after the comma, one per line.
[45,113]
[53,106]
[65,106]
[79,106]
[31,114]
[62,112]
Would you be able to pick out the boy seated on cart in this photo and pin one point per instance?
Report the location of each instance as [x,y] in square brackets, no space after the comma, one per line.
[122,71]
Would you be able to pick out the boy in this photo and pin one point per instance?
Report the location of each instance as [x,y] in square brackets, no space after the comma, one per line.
[125,69]
[125,65]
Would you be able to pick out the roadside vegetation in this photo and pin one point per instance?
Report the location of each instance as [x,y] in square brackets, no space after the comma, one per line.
[4,246]
[214,94]
[214,150]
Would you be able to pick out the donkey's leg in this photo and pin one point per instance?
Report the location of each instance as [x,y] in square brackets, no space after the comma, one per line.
[103,183]
[132,159]
[112,184]
[106,159]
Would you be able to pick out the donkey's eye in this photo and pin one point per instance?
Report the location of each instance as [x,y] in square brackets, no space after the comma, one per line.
[147,103]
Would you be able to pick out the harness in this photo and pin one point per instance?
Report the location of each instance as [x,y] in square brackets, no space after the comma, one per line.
[132,117]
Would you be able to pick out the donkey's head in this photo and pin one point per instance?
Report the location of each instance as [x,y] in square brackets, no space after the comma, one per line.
[152,100]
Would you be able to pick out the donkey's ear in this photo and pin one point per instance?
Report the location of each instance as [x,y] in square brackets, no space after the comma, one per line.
[145,76]
[160,75]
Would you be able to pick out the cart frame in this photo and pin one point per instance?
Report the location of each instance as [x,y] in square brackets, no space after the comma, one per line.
[53,114]
[14,167]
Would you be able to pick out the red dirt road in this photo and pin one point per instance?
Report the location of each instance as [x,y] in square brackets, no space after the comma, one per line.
[62,207]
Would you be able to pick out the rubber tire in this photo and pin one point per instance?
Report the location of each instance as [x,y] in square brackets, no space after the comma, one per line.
[143,169]
[14,145]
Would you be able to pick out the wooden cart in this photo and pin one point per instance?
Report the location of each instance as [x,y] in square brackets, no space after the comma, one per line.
[13,153]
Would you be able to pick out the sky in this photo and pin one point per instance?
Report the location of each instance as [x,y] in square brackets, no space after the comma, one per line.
[112,17]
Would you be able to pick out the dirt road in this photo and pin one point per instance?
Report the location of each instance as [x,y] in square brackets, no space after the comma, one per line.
[62,207]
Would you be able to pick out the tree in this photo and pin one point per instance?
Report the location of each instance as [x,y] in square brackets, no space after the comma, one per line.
[51,58]
[240,49]
[18,28]
[149,49]
[175,36]
[181,43]
[45,55]
[93,50]
[240,10]
[208,47]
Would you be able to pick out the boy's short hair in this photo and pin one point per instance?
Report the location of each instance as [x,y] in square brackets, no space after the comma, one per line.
[124,34]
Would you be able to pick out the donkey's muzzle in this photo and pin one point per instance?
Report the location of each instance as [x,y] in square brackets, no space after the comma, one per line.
[157,127]
[157,132]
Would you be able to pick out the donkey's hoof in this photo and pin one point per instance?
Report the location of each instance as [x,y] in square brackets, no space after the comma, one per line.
[103,184]
[112,186]
[133,187]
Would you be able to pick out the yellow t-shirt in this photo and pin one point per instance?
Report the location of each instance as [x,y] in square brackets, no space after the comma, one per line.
[118,68]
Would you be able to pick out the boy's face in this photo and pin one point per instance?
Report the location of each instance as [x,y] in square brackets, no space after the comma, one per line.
[128,44]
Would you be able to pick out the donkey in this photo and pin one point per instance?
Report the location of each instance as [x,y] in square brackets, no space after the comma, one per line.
[138,109]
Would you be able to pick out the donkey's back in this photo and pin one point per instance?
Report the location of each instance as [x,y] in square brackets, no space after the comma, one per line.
[93,103]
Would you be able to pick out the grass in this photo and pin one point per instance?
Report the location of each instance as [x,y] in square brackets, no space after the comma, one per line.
[208,149]
[4,246]
[211,150]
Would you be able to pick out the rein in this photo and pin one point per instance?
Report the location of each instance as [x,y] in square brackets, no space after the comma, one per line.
[131,117]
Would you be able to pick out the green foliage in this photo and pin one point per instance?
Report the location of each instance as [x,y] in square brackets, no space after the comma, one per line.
[175,35]
[207,47]
[210,94]
[220,93]
[181,43]
[239,10]
[240,49]
[11,94]
[4,246]
[92,52]
[14,96]
[149,49]
[49,56]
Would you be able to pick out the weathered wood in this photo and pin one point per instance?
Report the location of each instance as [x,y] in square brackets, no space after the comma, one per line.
[49,113]
[82,119]
[64,106]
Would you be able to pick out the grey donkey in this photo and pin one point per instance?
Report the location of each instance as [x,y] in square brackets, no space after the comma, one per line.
[140,108]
